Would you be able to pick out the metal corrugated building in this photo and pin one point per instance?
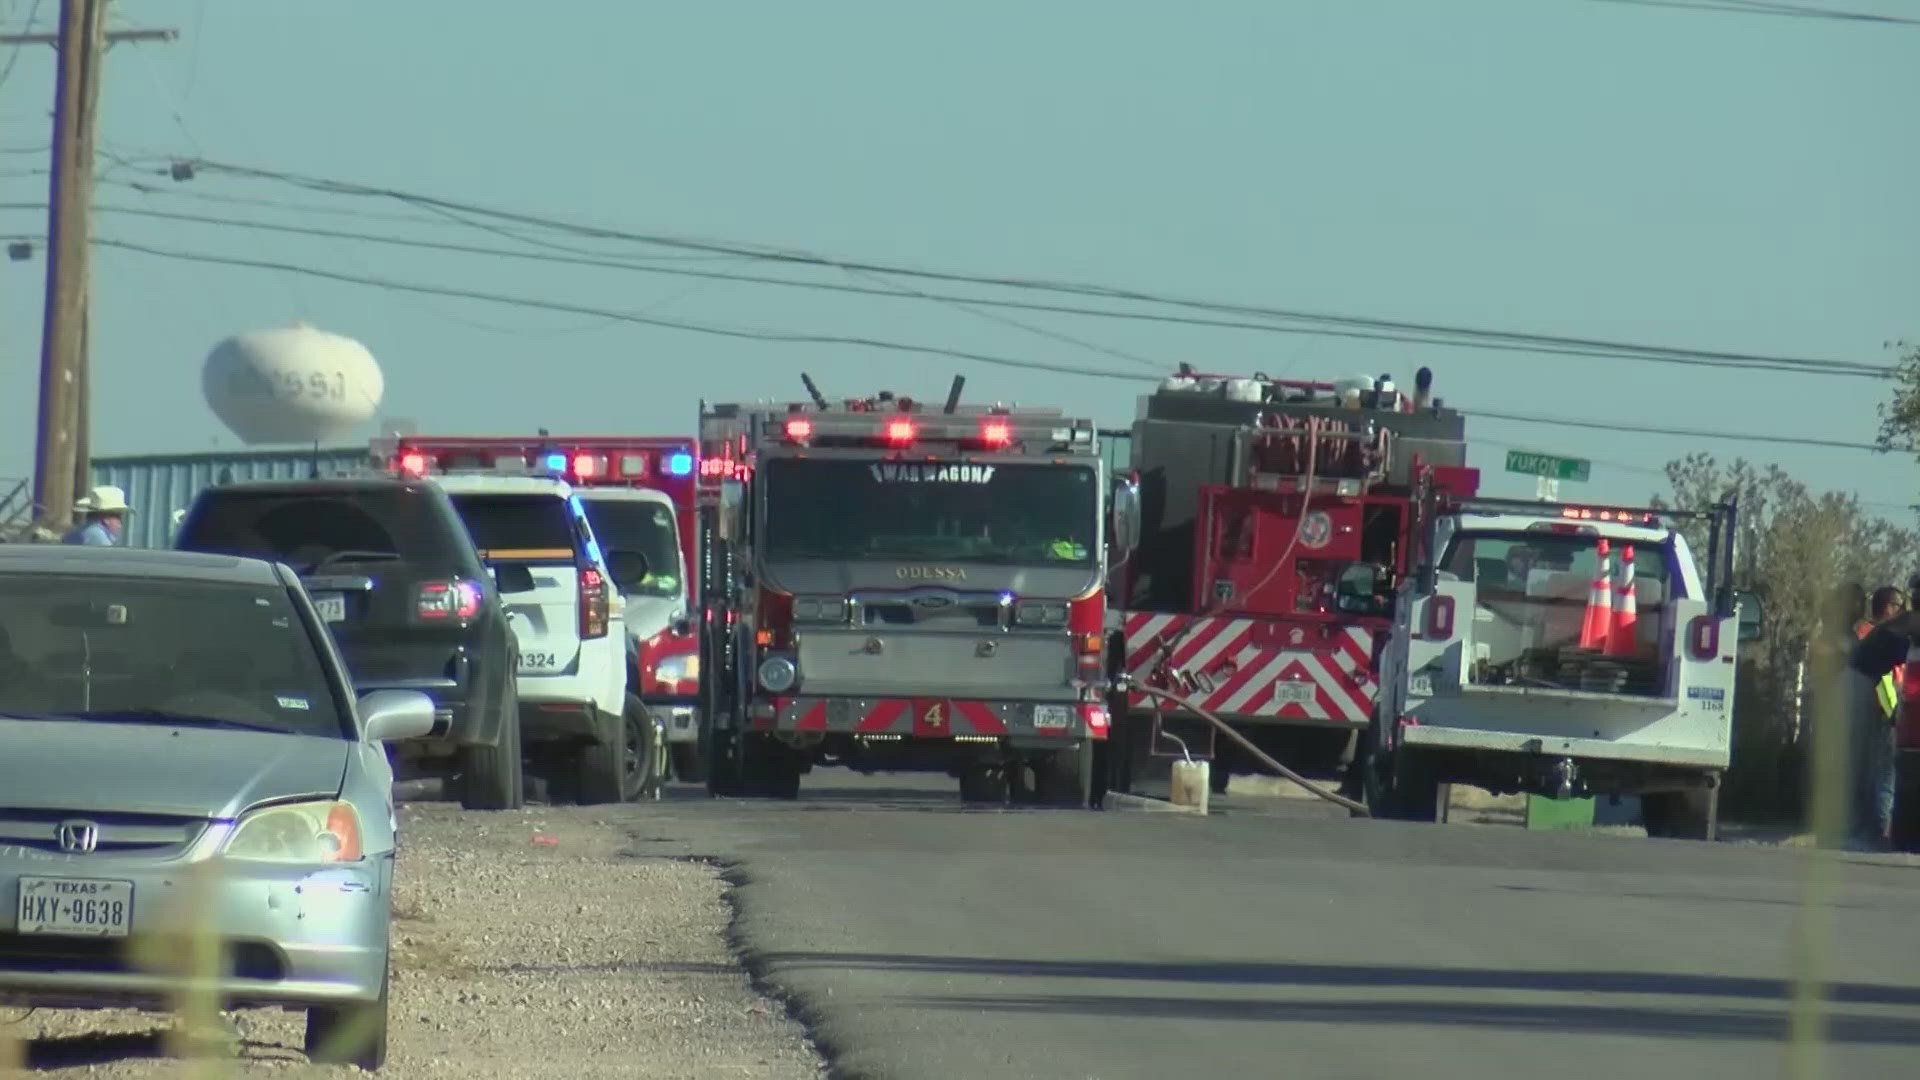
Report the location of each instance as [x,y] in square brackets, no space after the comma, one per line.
[158,484]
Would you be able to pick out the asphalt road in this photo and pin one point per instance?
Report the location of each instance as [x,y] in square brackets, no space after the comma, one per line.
[922,940]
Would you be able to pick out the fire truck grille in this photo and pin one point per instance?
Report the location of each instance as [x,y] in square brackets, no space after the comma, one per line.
[910,614]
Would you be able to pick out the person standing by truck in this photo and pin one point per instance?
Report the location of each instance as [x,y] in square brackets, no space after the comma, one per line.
[1873,660]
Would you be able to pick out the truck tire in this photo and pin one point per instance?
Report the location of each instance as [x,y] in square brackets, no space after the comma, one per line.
[983,785]
[492,777]
[769,769]
[689,764]
[1413,791]
[623,766]
[1065,777]
[1693,814]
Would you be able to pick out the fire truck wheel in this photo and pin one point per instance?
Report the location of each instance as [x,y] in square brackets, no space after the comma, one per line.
[689,767]
[1693,814]
[983,784]
[1065,777]
[1906,801]
[772,769]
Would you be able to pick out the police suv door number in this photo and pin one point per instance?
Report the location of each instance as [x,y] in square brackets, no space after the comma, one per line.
[538,661]
[1710,698]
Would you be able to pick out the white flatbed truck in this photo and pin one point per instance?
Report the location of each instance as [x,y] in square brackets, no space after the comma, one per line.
[1487,681]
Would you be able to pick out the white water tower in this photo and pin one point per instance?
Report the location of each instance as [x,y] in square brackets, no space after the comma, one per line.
[295,384]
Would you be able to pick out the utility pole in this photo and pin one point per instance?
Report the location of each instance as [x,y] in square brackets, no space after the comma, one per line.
[62,462]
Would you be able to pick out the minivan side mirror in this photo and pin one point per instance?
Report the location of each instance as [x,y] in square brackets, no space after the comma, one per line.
[513,578]
[394,715]
[628,568]
[1753,616]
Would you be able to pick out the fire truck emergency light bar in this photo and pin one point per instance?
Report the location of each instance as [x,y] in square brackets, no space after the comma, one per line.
[993,430]
[579,460]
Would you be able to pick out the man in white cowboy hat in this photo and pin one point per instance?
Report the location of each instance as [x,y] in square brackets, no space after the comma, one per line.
[103,515]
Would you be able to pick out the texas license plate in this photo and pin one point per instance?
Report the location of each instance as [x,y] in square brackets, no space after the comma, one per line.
[332,606]
[1293,693]
[75,907]
[1052,716]
[1421,684]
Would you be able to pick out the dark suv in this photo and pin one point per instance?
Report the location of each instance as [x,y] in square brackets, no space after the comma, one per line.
[394,572]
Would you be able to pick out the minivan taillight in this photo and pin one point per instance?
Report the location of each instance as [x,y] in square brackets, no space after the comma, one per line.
[593,603]
[446,601]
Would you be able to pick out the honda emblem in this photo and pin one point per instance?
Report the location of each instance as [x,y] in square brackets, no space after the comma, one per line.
[77,837]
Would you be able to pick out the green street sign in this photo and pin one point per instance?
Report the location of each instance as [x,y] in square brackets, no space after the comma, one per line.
[1554,468]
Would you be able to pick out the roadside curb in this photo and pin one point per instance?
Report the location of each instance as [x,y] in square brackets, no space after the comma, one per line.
[1141,804]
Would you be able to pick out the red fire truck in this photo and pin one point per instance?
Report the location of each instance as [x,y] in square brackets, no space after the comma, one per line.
[890,586]
[1277,520]
[639,495]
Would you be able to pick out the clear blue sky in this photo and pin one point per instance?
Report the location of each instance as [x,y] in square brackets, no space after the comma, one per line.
[1572,167]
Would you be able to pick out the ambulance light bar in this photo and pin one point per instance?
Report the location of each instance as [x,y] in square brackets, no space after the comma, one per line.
[578,465]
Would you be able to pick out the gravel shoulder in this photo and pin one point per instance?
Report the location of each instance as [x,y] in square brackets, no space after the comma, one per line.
[526,944]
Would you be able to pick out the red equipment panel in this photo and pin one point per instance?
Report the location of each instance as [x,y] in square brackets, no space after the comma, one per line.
[1272,552]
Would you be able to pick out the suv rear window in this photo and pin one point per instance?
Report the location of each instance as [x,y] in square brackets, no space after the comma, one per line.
[519,526]
[314,530]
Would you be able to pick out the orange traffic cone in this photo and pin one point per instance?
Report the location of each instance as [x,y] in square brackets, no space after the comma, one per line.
[1598,626]
[1626,608]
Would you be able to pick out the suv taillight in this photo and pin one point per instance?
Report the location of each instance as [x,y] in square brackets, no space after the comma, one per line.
[446,601]
[593,603]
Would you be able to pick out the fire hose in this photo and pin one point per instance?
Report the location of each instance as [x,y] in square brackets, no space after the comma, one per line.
[1128,684]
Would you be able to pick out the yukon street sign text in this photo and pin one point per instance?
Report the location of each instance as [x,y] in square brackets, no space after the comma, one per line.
[1554,468]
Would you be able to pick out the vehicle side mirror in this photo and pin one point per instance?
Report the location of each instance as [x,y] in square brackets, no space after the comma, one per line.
[513,579]
[1753,616]
[629,568]
[733,501]
[393,715]
[1125,515]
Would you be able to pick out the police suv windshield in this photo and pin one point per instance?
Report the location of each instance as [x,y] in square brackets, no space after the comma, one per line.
[1013,514]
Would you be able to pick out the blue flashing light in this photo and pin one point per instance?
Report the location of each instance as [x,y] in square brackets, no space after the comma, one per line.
[557,463]
[679,463]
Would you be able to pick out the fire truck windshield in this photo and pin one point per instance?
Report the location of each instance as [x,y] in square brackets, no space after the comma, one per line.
[1006,513]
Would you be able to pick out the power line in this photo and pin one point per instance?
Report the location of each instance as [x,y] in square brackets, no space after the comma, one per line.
[13,57]
[580,258]
[877,343]
[1437,334]
[1753,7]
[1690,433]
[624,316]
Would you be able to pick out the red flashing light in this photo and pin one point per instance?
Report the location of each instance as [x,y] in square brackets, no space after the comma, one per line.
[996,433]
[1622,517]
[413,463]
[585,465]
[799,429]
[900,431]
